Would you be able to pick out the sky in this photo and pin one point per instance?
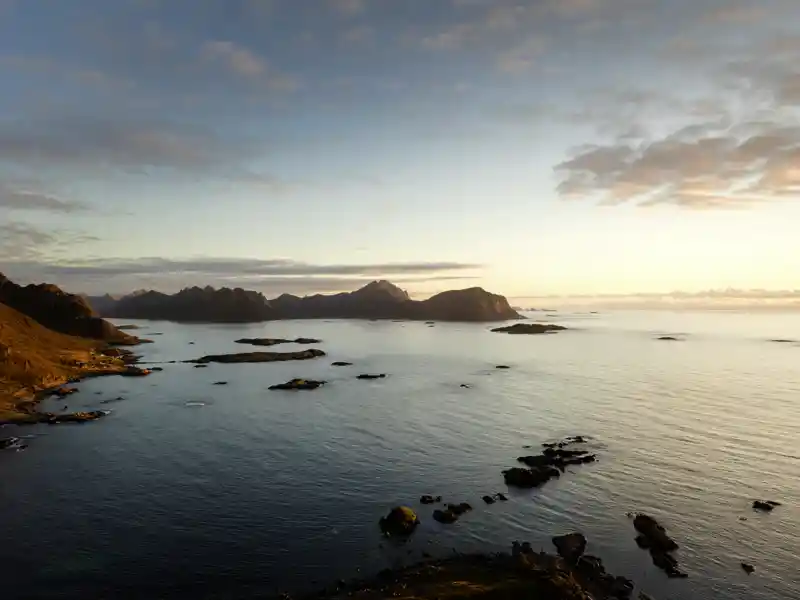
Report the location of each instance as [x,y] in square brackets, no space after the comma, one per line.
[535,148]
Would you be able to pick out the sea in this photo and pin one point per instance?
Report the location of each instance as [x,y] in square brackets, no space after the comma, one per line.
[193,490]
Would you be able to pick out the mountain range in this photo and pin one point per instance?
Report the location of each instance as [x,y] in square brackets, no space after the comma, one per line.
[376,300]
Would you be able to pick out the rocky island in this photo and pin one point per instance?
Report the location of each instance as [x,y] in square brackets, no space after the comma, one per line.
[47,339]
[377,300]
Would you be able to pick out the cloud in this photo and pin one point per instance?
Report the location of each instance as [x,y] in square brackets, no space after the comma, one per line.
[238,267]
[737,146]
[279,275]
[21,243]
[239,60]
[523,56]
[18,198]
[358,35]
[96,143]
[348,7]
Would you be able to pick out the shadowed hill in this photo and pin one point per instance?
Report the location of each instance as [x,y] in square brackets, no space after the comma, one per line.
[377,300]
[62,312]
[34,358]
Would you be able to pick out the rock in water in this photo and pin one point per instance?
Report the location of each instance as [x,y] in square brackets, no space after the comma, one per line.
[426,499]
[529,328]
[765,505]
[341,363]
[401,520]
[570,547]
[748,568]
[489,499]
[258,357]
[445,517]
[368,376]
[298,384]
[653,537]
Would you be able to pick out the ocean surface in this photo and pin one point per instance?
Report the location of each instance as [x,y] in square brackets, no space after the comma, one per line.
[191,490]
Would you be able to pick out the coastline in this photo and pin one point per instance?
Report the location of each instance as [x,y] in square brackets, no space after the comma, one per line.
[19,405]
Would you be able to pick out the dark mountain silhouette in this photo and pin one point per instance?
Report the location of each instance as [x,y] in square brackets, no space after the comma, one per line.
[377,300]
[59,311]
[195,305]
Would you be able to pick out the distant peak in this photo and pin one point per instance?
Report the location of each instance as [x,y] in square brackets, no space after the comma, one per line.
[384,287]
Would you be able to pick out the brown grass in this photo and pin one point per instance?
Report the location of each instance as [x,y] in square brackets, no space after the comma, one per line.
[34,358]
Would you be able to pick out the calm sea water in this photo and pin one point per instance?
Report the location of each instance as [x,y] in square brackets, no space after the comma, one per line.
[193,490]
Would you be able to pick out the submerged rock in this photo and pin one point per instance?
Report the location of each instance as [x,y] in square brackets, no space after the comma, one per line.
[553,461]
[77,417]
[489,499]
[298,384]
[570,547]
[401,520]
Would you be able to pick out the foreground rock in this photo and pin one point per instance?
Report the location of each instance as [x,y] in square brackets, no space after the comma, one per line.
[529,328]
[401,520]
[653,537]
[257,357]
[298,384]
[451,512]
[550,464]
[570,547]
[426,499]
[276,341]
[765,505]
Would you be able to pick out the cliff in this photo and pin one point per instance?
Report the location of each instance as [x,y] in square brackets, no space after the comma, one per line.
[377,300]
[59,311]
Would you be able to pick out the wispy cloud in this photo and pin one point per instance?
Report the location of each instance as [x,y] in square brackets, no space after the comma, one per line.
[279,275]
[236,58]
[348,7]
[21,198]
[735,148]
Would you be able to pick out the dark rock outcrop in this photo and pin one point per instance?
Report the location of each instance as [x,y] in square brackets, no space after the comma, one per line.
[276,341]
[668,338]
[59,311]
[401,520]
[653,537]
[341,363]
[298,384]
[553,461]
[529,328]
[377,300]
[570,547]
[257,357]
[445,516]
[426,499]
[369,376]
[747,568]
[765,505]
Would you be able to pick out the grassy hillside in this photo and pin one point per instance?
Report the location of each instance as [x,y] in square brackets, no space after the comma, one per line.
[34,358]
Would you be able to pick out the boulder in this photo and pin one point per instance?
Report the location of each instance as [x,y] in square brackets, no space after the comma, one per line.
[401,520]
[570,547]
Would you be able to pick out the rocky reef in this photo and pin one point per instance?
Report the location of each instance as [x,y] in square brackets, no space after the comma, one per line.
[257,357]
